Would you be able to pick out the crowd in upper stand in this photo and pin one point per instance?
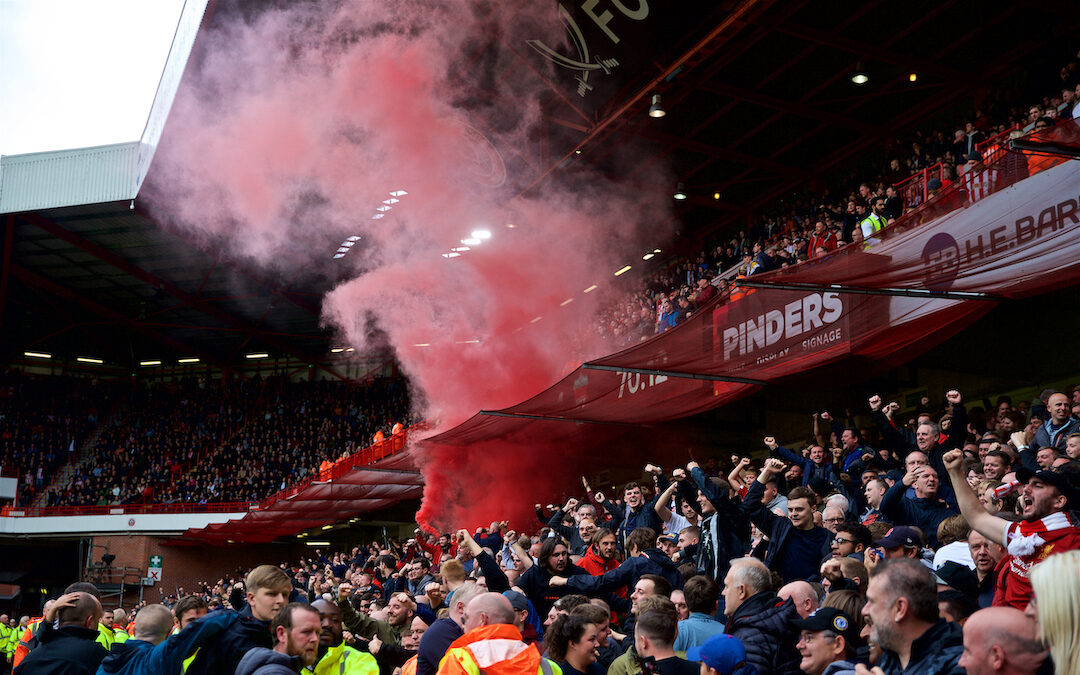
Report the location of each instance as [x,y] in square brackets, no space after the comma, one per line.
[927,541]
[187,441]
[811,225]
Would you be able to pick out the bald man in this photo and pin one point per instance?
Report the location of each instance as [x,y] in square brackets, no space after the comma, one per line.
[803,595]
[1001,641]
[151,649]
[71,647]
[489,618]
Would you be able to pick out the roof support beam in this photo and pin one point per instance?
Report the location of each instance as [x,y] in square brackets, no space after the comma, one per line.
[868,50]
[189,299]
[864,290]
[50,286]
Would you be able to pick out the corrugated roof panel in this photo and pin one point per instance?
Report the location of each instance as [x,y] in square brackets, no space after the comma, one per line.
[47,180]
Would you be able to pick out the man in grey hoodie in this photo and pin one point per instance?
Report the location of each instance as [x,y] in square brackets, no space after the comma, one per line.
[296,643]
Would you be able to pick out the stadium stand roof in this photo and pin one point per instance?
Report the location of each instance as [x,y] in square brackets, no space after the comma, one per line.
[759,100]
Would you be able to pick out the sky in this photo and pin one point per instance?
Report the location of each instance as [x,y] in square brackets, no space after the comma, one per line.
[79,73]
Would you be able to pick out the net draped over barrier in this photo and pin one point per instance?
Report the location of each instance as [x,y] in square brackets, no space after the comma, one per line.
[1008,229]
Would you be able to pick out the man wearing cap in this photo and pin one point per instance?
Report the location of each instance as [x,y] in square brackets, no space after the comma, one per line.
[898,542]
[1046,528]
[827,643]
[721,655]
[522,621]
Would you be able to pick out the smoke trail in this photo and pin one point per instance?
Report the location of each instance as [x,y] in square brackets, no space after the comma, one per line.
[296,125]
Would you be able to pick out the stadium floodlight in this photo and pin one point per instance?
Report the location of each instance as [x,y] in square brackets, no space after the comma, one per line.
[648,256]
[622,270]
[312,542]
[257,355]
[680,192]
[87,359]
[566,302]
[398,193]
[656,109]
[152,362]
[536,319]
[471,241]
[590,289]
[422,344]
[190,359]
[328,527]
[455,254]
[337,350]
[859,77]
[38,355]
[481,234]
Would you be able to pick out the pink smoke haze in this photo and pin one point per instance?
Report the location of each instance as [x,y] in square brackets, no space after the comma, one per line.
[293,128]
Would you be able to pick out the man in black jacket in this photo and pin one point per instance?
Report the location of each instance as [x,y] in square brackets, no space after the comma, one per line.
[901,602]
[760,619]
[642,558]
[71,648]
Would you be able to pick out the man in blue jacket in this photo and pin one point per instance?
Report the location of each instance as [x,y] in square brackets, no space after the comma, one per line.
[926,510]
[151,651]
[817,465]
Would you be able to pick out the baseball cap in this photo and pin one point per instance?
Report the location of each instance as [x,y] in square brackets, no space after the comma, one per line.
[723,653]
[1058,479]
[830,618]
[900,536]
[667,537]
[517,600]
[957,576]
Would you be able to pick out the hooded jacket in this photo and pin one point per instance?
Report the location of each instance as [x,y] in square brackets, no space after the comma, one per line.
[136,657]
[268,662]
[935,652]
[594,564]
[763,624]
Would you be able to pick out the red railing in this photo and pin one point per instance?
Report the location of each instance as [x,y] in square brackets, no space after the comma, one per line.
[993,148]
[912,190]
[369,455]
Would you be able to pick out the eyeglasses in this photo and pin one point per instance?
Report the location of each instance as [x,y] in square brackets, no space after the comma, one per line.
[840,540]
[834,520]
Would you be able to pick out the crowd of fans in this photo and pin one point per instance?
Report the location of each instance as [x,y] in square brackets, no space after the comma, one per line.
[812,225]
[931,542]
[193,442]
[43,420]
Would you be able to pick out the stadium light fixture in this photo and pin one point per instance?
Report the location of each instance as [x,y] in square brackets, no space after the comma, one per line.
[656,250]
[590,289]
[648,256]
[913,77]
[680,192]
[422,344]
[190,359]
[511,225]
[471,241]
[152,362]
[38,355]
[622,270]
[656,109]
[481,234]
[466,342]
[536,319]
[398,193]
[566,302]
[337,350]
[859,77]
[455,254]
[716,195]
[87,359]
[328,527]
[312,542]
[257,355]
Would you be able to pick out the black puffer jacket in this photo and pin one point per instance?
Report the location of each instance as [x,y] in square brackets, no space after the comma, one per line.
[763,625]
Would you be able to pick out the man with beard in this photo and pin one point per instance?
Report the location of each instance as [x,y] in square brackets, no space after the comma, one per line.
[296,633]
[1046,528]
[600,557]
[399,611]
[901,603]
[553,560]
[335,657]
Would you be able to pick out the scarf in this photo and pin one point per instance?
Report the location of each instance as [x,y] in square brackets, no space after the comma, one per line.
[1025,537]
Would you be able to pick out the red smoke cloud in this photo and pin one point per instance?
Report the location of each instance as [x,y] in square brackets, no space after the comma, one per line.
[294,126]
